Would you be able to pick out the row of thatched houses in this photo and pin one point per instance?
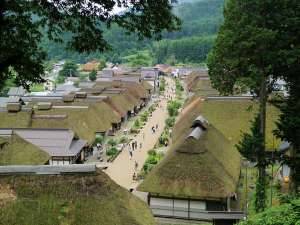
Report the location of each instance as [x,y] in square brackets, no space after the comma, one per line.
[99,108]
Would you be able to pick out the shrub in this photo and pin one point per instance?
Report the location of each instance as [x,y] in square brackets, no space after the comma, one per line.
[112,151]
[112,142]
[144,116]
[170,121]
[123,139]
[285,214]
[151,109]
[164,137]
[98,139]
[137,124]
[173,107]
[93,75]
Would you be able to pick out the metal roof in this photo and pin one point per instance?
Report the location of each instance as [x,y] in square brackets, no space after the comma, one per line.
[46,169]
[16,91]
[56,142]
[196,133]
[86,84]
[66,87]
[200,121]
[3,101]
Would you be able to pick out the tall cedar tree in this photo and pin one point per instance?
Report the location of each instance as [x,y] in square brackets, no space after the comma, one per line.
[22,22]
[289,130]
[251,147]
[249,50]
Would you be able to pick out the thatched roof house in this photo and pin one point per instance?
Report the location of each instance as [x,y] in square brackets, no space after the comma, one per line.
[201,170]
[85,198]
[51,146]
[17,151]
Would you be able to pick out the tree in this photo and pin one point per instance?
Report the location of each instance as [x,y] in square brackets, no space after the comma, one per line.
[285,214]
[250,147]
[22,23]
[102,64]
[247,51]
[288,129]
[93,75]
[70,69]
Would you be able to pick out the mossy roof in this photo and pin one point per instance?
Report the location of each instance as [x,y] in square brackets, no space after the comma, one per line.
[146,85]
[212,173]
[17,151]
[200,85]
[15,119]
[136,89]
[84,122]
[233,118]
[71,199]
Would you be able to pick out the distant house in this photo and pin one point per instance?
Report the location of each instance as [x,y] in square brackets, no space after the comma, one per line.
[16,91]
[198,178]
[66,88]
[149,73]
[107,72]
[61,145]
[90,66]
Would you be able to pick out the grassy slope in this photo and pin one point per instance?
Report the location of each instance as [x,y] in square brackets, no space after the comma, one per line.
[72,199]
[18,151]
[233,117]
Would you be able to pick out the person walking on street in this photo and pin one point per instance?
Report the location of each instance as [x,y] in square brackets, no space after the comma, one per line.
[141,145]
[136,165]
[130,153]
[135,145]
[132,145]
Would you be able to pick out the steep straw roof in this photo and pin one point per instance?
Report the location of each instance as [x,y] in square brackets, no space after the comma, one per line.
[84,122]
[15,120]
[17,151]
[71,199]
[209,171]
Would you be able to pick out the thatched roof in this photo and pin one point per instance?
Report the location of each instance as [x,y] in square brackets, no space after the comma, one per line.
[98,117]
[70,199]
[207,167]
[17,151]
[197,82]
[15,120]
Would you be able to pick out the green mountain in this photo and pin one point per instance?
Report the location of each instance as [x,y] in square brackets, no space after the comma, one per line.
[200,22]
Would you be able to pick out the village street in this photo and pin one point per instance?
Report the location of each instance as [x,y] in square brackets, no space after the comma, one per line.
[121,170]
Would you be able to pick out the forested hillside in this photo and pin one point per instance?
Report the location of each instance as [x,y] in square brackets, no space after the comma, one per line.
[200,22]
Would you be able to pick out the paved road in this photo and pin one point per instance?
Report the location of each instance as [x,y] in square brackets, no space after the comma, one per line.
[121,170]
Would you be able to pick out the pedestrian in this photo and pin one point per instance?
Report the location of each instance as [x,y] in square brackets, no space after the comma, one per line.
[132,145]
[135,145]
[136,165]
[130,153]
[156,126]
[141,145]
[134,176]
[143,135]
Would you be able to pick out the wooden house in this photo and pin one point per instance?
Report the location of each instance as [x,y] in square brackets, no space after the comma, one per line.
[198,177]
[61,145]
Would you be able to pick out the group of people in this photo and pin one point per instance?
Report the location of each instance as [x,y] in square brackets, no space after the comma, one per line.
[134,146]
[154,128]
